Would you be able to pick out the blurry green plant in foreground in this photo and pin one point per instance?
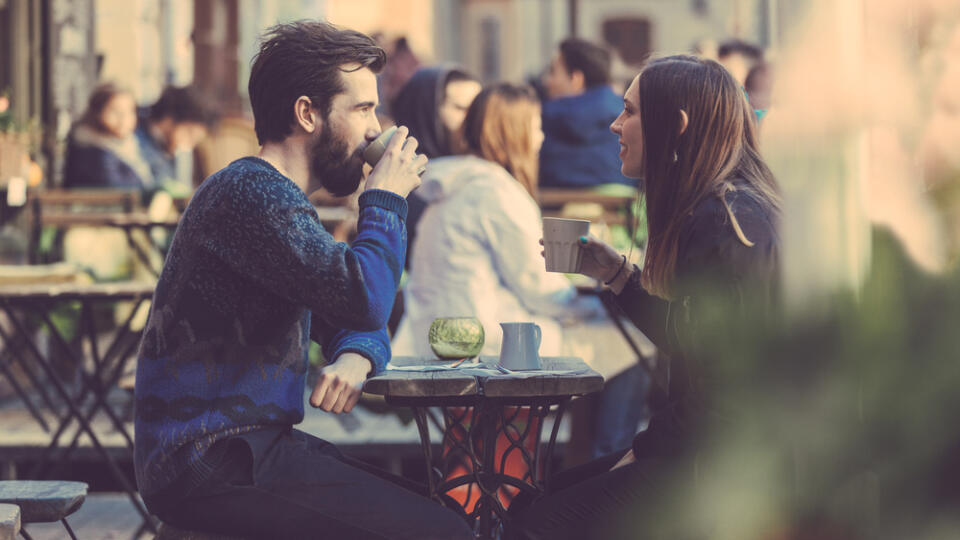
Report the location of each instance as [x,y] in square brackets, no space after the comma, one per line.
[839,426]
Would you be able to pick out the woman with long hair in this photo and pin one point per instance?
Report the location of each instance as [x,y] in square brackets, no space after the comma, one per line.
[470,258]
[713,211]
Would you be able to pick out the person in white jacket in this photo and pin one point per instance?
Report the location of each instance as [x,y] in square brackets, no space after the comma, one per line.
[476,252]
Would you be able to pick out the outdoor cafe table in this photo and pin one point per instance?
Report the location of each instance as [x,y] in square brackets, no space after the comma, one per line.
[82,395]
[125,221]
[488,400]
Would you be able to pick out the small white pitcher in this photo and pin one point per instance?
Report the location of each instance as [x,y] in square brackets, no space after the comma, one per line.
[520,347]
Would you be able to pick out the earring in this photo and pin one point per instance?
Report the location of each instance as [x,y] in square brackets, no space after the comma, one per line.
[675,156]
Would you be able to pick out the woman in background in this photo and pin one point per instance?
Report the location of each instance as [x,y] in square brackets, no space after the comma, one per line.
[102,151]
[471,255]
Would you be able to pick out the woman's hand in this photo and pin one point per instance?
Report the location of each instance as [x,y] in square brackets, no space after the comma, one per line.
[600,261]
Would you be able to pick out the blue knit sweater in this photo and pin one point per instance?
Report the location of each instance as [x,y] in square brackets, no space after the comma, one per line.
[250,279]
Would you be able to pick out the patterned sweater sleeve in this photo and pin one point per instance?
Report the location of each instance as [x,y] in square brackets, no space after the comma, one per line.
[374,345]
[271,235]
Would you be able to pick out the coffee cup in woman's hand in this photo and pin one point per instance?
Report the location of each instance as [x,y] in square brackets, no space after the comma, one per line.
[599,260]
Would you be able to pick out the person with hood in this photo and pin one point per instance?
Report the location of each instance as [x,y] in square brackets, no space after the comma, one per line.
[472,255]
[102,151]
[432,105]
[578,149]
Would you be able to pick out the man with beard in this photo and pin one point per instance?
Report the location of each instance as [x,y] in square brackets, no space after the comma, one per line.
[250,279]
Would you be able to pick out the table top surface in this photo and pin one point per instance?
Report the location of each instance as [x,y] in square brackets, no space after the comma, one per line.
[64,291]
[561,376]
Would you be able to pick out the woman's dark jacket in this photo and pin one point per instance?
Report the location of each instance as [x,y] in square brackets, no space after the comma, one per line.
[90,163]
[714,270]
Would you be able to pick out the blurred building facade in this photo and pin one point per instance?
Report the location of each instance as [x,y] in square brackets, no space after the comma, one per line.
[53,52]
[514,39]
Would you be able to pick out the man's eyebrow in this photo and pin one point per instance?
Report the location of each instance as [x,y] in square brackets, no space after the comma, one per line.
[365,105]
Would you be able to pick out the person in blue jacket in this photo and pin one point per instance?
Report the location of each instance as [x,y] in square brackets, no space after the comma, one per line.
[578,149]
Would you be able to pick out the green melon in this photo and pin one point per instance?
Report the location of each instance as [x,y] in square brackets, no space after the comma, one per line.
[460,337]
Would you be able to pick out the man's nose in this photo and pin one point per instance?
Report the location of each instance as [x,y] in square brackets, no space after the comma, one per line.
[373,129]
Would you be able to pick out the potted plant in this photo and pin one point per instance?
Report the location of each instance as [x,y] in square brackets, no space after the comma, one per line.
[15,144]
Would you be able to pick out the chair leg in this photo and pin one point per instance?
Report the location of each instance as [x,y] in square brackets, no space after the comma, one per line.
[23,533]
[67,527]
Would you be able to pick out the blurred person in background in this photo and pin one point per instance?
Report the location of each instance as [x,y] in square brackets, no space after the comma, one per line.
[578,149]
[739,57]
[470,257]
[713,214]
[433,105]
[179,120]
[102,151]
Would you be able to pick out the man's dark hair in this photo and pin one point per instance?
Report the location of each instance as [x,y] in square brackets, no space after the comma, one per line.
[303,58]
[736,46]
[591,60]
[185,104]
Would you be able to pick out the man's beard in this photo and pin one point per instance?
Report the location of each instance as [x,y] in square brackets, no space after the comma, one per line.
[333,166]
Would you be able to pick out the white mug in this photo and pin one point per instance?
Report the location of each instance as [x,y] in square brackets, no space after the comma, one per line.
[561,243]
[520,347]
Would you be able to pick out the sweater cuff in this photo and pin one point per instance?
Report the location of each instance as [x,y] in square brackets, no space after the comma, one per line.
[386,200]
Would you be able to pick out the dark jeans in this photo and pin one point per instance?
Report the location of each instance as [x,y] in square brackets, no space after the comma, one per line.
[283,483]
[621,407]
[586,502]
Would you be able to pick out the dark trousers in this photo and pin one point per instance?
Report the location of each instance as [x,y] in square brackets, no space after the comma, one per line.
[586,502]
[283,483]
[620,408]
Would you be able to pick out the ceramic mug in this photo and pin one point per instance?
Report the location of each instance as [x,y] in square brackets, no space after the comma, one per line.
[374,151]
[520,347]
[561,243]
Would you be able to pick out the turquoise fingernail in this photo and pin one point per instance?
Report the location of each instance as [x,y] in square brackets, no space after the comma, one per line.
[583,239]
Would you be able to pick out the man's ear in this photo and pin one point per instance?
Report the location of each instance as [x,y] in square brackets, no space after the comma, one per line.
[684,121]
[305,115]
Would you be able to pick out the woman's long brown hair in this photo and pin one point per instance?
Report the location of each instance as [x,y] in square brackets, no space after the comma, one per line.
[498,128]
[718,146]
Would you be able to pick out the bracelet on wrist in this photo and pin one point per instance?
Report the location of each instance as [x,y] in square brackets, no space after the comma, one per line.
[623,263]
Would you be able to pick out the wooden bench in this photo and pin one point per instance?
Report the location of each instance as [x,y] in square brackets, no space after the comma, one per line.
[42,501]
[9,521]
